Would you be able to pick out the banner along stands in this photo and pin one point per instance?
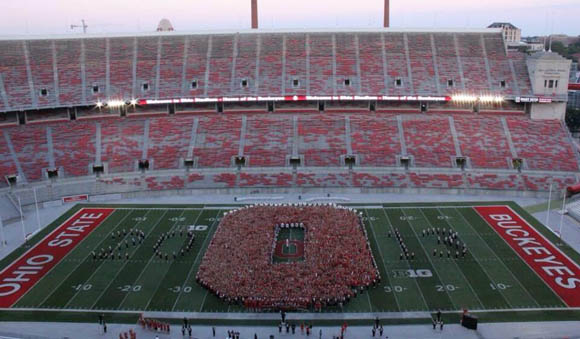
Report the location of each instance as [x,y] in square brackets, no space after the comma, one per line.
[75,198]
[555,268]
[26,271]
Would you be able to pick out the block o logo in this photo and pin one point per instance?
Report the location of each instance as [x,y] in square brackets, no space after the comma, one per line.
[325,265]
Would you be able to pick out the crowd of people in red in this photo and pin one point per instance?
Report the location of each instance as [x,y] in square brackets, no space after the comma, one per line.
[128,335]
[338,263]
[154,325]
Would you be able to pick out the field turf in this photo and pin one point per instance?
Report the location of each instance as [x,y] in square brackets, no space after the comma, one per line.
[491,276]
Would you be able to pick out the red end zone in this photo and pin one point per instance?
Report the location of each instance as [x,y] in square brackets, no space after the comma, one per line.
[26,271]
[554,267]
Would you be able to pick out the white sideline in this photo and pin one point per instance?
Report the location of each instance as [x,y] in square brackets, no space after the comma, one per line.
[328,199]
[259,198]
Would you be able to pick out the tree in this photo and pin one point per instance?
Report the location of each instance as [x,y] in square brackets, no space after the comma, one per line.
[559,48]
[573,119]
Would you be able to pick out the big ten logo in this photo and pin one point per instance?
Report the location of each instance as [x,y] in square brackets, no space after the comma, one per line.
[421,273]
[197,228]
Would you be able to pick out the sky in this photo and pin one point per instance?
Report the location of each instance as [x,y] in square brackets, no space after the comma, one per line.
[534,17]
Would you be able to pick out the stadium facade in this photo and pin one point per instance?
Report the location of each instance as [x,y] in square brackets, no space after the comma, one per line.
[411,110]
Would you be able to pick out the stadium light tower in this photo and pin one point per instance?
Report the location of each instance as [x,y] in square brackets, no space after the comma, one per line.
[84,26]
[387,9]
[254,14]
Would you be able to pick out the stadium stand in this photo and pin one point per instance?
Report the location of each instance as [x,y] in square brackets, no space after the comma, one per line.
[46,82]
[41,65]
[542,144]
[423,70]
[322,70]
[146,70]
[70,81]
[122,142]
[483,141]
[296,71]
[429,141]
[268,140]
[169,141]
[7,166]
[347,69]
[31,149]
[121,67]
[71,72]
[450,78]
[95,60]
[74,147]
[471,53]
[170,67]
[244,80]
[375,139]
[518,60]
[321,139]
[371,63]
[397,72]
[271,65]
[196,49]
[218,140]
[220,65]
[14,75]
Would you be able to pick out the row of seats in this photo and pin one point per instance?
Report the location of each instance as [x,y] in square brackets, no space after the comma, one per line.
[267,140]
[543,144]
[411,179]
[95,69]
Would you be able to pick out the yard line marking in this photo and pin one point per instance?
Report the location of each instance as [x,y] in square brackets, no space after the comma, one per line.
[71,272]
[456,265]
[102,241]
[429,259]
[369,301]
[147,265]
[408,265]
[125,264]
[209,235]
[499,259]
[200,250]
[382,259]
[168,271]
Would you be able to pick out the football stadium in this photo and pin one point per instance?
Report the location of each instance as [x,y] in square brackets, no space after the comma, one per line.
[393,176]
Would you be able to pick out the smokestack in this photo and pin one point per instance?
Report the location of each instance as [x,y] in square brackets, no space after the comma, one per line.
[387,9]
[255,14]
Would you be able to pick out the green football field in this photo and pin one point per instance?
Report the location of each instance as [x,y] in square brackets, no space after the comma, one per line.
[491,276]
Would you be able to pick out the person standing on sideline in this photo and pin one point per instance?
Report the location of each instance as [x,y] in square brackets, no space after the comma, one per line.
[213,330]
[441,326]
[320,334]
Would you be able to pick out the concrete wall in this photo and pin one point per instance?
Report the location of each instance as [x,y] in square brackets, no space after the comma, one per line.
[544,67]
[555,110]
[252,181]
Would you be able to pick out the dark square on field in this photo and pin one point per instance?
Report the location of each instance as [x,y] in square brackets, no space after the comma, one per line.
[289,245]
